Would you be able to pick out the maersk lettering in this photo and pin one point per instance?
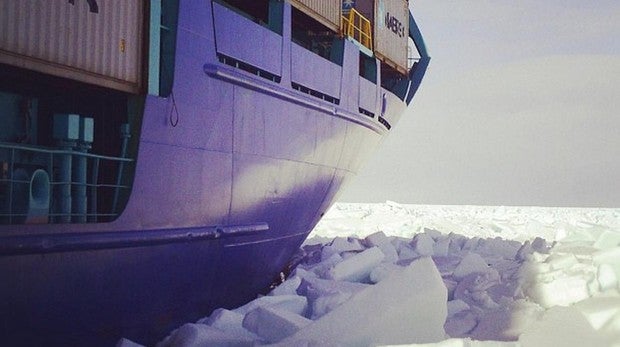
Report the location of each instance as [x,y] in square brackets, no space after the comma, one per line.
[395,25]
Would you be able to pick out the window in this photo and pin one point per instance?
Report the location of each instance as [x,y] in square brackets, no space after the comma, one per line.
[368,67]
[394,81]
[316,37]
[267,13]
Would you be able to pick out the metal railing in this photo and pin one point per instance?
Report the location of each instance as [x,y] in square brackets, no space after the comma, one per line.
[17,160]
[358,27]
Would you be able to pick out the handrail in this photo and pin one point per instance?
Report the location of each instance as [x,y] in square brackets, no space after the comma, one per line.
[50,160]
[358,27]
[8,145]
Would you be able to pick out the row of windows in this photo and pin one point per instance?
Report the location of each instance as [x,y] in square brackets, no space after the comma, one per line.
[315,37]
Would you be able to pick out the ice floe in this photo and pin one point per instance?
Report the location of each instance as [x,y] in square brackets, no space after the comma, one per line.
[390,274]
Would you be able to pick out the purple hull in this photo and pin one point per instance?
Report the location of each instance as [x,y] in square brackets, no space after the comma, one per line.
[233,171]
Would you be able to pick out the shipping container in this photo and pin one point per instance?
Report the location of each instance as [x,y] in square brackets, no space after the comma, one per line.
[327,12]
[391,26]
[94,41]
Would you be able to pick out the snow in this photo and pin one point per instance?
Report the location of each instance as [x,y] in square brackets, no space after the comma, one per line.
[123,342]
[358,267]
[399,309]
[562,326]
[472,263]
[226,320]
[292,303]
[191,335]
[423,244]
[273,324]
[390,274]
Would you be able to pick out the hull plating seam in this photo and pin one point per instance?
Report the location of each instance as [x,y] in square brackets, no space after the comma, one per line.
[239,152]
[265,240]
[87,241]
[251,82]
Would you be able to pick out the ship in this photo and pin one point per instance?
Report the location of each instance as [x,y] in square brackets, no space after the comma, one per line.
[163,158]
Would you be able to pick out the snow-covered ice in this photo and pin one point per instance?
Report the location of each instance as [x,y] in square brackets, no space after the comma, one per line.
[399,309]
[358,267]
[391,274]
[273,324]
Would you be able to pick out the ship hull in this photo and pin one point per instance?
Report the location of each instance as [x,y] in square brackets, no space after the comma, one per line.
[94,297]
[92,284]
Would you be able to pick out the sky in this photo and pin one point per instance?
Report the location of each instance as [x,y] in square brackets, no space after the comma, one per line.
[520,107]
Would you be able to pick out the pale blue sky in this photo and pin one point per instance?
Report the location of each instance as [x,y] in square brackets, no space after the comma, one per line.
[520,106]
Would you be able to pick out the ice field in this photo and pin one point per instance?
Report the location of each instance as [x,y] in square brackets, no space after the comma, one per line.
[449,276]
